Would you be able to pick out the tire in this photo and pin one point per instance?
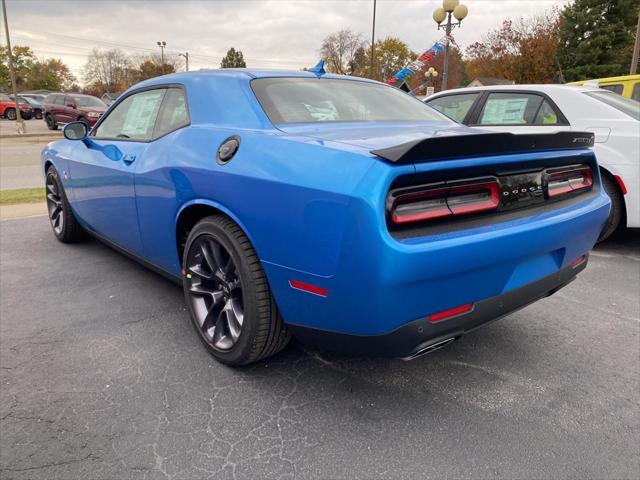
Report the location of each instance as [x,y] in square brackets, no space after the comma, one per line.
[51,123]
[10,113]
[26,116]
[63,223]
[236,318]
[617,207]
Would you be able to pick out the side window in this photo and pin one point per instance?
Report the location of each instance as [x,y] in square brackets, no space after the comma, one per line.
[636,92]
[4,98]
[455,107]
[510,109]
[546,115]
[133,118]
[59,100]
[173,114]
[618,88]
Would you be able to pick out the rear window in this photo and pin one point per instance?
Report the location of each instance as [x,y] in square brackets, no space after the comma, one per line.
[620,103]
[323,100]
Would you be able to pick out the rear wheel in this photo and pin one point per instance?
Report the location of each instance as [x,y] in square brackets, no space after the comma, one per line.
[227,294]
[617,207]
[51,123]
[10,113]
[63,223]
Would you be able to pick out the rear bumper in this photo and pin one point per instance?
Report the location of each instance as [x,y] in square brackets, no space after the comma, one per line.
[417,336]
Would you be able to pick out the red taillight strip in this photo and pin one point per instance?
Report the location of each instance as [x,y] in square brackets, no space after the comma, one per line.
[445,202]
[559,183]
[452,312]
[489,204]
[307,287]
[621,184]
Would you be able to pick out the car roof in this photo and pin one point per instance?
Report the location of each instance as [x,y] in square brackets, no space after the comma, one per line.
[243,73]
[545,88]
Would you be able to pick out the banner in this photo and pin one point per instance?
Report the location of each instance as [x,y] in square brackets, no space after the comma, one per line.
[418,64]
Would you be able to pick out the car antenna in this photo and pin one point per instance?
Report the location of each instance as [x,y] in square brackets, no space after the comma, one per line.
[318,69]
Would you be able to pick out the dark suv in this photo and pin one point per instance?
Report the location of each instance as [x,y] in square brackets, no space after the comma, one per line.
[61,108]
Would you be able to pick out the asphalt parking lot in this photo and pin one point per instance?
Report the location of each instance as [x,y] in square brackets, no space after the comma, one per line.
[103,377]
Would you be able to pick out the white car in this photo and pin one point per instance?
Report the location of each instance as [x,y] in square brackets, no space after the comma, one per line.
[615,121]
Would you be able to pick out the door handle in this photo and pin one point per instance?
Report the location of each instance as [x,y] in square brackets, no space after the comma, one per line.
[128,159]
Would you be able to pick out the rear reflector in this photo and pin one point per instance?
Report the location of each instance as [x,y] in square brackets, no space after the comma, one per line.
[452,312]
[307,287]
[621,184]
[578,261]
[565,181]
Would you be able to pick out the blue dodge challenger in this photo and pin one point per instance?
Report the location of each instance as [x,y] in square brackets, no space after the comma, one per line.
[337,209]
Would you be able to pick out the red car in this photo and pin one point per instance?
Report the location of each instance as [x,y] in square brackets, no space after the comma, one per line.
[8,108]
[61,108]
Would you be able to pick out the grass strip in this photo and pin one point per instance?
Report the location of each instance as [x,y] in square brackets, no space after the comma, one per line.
[21,195]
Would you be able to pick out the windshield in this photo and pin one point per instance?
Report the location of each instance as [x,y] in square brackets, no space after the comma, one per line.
[30,101]
[620,103]
[319,100]
[88,102]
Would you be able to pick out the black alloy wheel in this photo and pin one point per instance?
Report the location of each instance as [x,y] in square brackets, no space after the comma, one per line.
[228,296]
[63,222]
[215,292]
[54,205]
[51,123]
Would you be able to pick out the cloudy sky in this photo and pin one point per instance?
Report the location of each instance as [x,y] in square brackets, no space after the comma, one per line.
[270,33]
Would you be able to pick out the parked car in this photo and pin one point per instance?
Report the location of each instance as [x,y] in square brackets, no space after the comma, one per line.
[36,107]
[613,119]
[61,108]
[8,108]
[626,85]
[38,97]
[338,209]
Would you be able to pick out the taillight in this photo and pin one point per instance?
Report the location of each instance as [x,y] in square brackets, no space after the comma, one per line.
[567,180]
[434,201]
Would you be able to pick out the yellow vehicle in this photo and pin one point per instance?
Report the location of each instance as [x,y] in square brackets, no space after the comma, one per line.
[627,85]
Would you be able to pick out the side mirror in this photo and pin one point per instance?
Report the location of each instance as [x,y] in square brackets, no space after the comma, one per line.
[71,105]
[75,131]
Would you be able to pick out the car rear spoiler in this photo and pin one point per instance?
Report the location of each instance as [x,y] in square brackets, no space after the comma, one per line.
[482,144]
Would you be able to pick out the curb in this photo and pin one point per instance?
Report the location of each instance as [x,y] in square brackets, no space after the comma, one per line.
[28,135]
[22,210]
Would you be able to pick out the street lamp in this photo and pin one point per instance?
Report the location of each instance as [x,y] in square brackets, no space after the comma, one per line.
[162,45]
[459,11]
[431,72]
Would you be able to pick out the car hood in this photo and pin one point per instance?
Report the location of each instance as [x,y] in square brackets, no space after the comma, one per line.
[373,136]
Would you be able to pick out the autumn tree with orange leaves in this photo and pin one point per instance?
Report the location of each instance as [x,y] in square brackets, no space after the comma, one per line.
[525,51]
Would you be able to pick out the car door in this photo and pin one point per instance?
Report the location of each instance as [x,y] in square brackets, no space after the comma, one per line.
[103,184]
[518,112]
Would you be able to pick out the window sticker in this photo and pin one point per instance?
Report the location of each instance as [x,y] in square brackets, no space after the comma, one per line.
[504,111]
[142,114]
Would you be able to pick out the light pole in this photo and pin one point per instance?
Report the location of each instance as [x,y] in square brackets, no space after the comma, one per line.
[373,40]
[459,11]
[431,72]
[162,45]
[12,71]
[186,59]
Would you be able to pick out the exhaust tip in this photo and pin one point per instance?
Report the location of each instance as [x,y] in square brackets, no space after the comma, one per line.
[431,348]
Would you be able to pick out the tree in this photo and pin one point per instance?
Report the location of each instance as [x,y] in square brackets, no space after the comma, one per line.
[151,66]
[391,56]
[524,51]
[49,74]
[457,71]
[22,59]
[342,51]
[596,38]
[108,70]
[233,59]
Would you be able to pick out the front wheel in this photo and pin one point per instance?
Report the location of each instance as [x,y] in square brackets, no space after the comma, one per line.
[63,223]
[10,113]
[617,207]
[231,305]
[51,123]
